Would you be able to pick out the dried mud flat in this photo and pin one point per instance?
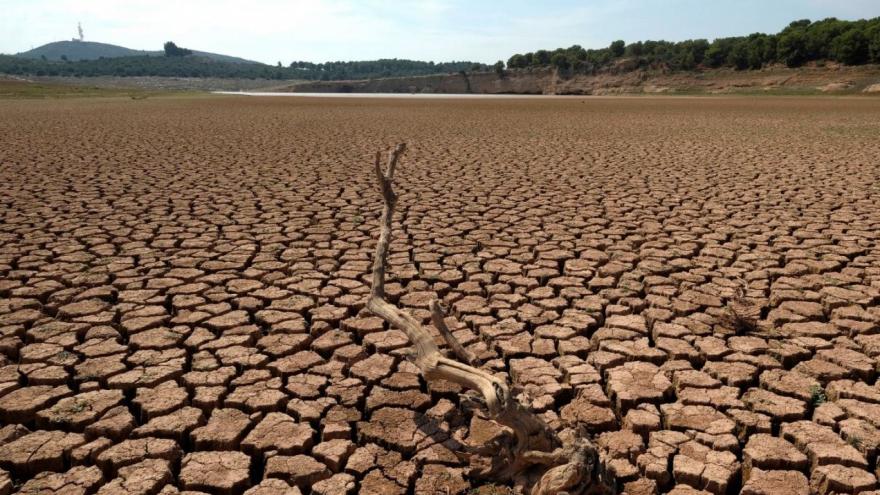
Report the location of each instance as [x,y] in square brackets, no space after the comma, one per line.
[182,286]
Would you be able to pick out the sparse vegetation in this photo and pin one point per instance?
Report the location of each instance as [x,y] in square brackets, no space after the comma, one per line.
[79,406]
[856,442]
[817,396]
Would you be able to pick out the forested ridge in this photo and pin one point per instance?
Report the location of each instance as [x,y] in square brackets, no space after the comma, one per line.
[189,65]
[801,42]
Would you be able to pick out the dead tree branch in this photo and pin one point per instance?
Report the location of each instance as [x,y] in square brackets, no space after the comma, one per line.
[562,468]
[438,317]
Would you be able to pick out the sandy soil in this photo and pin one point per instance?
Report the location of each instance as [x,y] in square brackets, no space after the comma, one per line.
[182,282]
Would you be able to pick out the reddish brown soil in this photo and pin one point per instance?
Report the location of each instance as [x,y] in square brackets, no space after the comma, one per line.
[182,283]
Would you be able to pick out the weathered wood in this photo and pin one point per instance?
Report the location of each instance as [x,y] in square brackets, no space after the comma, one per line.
[438,318]
[562,468]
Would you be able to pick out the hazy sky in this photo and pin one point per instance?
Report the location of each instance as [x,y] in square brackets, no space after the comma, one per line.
[439,30]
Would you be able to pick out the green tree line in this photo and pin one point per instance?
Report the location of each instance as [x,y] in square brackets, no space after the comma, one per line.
[846,42]
[177,63]
[379,68]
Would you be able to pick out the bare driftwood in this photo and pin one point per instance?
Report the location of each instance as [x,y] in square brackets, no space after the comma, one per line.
[536,452]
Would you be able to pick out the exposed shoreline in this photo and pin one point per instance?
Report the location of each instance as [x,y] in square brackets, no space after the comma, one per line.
[776,80]
[831,79]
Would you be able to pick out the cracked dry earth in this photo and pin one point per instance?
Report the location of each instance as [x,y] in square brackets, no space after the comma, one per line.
[183,282]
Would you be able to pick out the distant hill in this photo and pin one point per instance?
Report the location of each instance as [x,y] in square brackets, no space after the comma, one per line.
[201,64]
[81,50]
[92,50]
[88,58]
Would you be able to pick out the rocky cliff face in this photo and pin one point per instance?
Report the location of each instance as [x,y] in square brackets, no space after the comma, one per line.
[827,79]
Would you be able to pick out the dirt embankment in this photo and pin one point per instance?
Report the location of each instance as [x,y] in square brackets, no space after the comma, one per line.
[826,79]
